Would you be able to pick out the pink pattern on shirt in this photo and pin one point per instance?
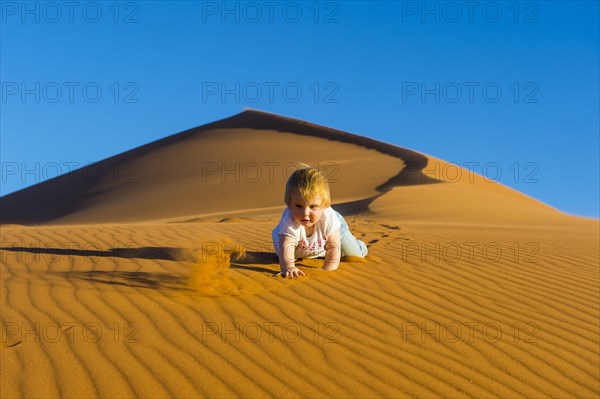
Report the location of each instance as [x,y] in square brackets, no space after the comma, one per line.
[316,247]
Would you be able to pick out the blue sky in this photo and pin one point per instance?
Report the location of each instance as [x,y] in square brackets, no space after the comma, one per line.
[509,89]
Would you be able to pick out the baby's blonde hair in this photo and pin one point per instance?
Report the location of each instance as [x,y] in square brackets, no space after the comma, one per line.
[308,182]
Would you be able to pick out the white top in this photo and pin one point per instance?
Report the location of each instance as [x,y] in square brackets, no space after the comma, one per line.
[307,246]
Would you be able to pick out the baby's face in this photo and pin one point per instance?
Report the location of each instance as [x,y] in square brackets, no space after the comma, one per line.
[306,212]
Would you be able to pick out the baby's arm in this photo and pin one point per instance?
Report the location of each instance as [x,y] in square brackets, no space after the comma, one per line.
[333,252]
[287,247]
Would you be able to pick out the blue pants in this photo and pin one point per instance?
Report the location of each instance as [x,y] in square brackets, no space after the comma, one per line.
[351,246]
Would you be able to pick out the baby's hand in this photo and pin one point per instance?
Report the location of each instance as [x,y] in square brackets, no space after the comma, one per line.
[292,272]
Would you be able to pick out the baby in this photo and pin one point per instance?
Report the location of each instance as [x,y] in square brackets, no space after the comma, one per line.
[309,227]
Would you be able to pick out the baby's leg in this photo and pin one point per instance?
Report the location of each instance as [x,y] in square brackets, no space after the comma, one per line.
[351,246]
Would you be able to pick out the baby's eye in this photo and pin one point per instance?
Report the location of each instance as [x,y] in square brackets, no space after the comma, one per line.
[314,207]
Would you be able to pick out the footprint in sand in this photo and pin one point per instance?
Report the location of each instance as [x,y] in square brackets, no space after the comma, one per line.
[390,233]
[399,232]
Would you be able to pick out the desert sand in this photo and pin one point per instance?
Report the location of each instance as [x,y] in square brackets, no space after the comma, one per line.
[151,274]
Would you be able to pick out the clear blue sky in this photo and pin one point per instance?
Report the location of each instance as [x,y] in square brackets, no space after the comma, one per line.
[507,87]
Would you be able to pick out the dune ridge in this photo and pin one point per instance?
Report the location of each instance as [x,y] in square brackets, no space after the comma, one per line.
[201,170]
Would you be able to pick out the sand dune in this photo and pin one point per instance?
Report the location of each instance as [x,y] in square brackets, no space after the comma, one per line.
[165,285]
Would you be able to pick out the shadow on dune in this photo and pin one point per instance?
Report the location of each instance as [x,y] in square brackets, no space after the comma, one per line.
[155,281]
[252,257]
[249,259]
[414,162]
[253,268]
[91,186]
[139,279]
[154,253]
